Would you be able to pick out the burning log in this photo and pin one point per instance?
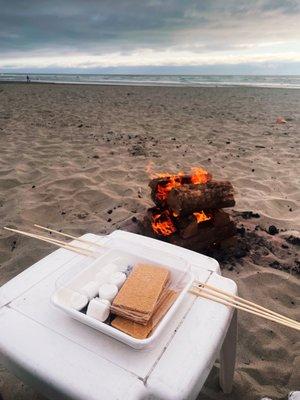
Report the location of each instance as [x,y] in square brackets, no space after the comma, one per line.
[189,225]
[162,223]
[211,236]
[190,234]
[188,199]
[161,187]
[163,184]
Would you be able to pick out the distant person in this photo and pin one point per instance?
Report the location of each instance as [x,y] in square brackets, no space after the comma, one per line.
[28,79]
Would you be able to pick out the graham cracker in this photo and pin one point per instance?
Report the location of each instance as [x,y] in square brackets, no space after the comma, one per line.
[140,293]
[139,331]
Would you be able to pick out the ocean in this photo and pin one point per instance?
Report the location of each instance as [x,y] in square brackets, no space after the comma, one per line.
[279,81]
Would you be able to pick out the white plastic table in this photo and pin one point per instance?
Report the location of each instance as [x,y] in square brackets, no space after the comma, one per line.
[64,359]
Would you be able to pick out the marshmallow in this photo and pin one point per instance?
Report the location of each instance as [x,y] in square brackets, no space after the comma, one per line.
[121,263]
[78,301]
[103,275]
[108,291]
[71,299]
[117,278]
[110,268]
[90,289]
[98,309]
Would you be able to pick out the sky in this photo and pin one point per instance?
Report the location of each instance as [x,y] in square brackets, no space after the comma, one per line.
[150,36]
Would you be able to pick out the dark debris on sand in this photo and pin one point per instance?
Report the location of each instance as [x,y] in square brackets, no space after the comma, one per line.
[137,144]
[260,247]
[249,214]
[293,240]
[273,230]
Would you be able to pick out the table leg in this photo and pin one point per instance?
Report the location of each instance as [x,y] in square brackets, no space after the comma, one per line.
[227,356]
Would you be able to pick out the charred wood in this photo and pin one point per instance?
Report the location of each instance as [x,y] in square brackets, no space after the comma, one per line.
[192,198]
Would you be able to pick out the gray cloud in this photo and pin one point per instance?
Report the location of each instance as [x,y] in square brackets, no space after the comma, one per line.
[97,27]
[95,24]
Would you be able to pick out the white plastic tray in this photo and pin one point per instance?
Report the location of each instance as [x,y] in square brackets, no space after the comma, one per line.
[76,279]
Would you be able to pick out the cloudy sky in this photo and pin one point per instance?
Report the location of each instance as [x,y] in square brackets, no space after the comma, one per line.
[150,36]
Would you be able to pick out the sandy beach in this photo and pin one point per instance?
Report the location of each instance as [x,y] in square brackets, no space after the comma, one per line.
[76,157]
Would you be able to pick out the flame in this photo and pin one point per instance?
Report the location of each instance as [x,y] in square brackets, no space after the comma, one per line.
[172,181]
[201,216]
[200,175]
[162,224]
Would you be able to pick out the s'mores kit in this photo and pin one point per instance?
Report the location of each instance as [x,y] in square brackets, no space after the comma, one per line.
[124,295]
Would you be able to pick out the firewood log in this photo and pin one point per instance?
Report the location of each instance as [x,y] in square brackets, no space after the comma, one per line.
[192,198]
[164,183]
[211,236]
[188,225]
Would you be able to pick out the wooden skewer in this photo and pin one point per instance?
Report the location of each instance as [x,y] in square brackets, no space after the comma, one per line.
[230,299]
[244,301]
[52,240]
[257,313]
[228,303]
[55,242]
[69,236]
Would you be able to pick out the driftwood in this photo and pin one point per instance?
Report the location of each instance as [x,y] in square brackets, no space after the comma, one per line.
[193,198]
